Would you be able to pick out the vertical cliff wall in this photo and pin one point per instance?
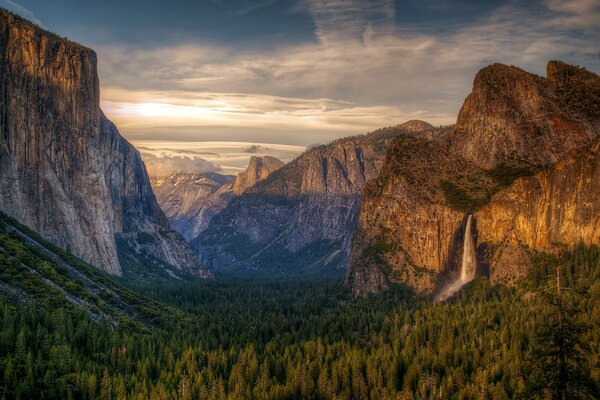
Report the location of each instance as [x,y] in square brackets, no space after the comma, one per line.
[512,125]
[64,169]
[554,209]
[411,225]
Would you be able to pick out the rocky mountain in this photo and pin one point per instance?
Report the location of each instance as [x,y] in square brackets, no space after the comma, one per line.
[301,219]
[512,115]
[513,125]
[66,172]
[190,200]
[410,226]
[259,168]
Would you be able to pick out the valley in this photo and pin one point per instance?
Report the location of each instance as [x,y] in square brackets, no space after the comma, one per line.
[410,261]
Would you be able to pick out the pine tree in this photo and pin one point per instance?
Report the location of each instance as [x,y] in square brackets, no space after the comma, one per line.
[558,362]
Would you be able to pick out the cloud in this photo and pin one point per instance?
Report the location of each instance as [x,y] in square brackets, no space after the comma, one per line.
[22,11]
[362,72]
[574,14]
[165,165]
[276,119]
[343,19]
[167,157]
[254,149]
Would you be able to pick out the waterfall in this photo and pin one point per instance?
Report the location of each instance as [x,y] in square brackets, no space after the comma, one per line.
[469,258]
[469,264]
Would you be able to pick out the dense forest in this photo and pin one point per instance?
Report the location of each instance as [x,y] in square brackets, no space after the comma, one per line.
[231,339]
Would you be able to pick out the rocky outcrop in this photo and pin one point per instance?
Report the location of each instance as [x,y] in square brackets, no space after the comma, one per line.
[301,219]
[549,211]
[64,169]
[259,168]
[512,115]
[190,201]
[412,219]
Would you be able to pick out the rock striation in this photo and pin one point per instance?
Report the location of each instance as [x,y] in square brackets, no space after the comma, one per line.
[554,209]
[65,171]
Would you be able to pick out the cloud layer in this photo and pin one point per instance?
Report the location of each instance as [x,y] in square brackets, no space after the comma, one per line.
[362,71]
[164,158]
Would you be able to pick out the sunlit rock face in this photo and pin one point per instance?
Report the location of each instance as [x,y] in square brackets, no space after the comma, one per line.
[259,168]
[514,115]
[301,219]
[64,169]
[408,231]
[411,223]
[555,208]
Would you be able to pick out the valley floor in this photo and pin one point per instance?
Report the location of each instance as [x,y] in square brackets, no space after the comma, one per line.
[291,340]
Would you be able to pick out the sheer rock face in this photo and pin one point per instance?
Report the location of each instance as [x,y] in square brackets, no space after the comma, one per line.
[64,169]
[258,169]
[300,219]
[407,230]
[191,200]
[555,208]
[515,115]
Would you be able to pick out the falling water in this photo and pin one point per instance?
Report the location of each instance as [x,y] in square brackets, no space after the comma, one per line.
[469,262]
[468,266]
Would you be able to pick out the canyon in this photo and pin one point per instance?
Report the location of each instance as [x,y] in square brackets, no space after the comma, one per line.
[411,204]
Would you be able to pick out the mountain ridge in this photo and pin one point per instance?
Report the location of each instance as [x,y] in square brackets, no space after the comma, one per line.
[301,218]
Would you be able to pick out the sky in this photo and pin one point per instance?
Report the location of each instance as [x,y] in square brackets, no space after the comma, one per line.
[203,85]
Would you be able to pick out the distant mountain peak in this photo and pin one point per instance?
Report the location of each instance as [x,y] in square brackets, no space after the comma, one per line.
[259,168]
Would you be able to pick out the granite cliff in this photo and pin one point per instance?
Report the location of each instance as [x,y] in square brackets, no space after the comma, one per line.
[512,115]
[259,168]
[522,157]
[556,208]
[65,171]
[411,225]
